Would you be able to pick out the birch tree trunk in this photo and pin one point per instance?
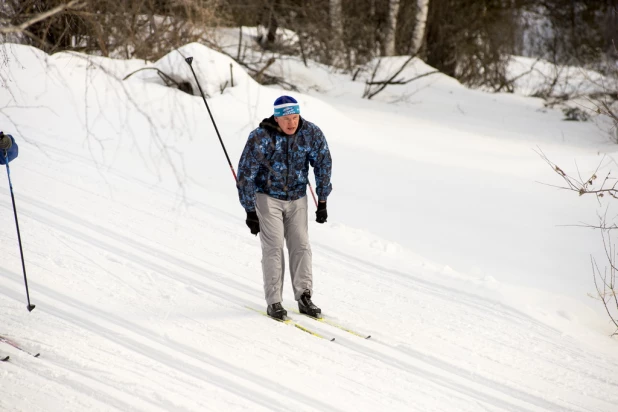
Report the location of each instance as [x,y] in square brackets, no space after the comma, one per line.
[391,28]
[422,9]
[336,25]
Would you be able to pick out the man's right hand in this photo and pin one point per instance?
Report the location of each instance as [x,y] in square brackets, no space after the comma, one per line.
[253,222]
[5,142]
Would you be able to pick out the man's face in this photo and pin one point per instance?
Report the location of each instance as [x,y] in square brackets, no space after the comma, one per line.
[288,123]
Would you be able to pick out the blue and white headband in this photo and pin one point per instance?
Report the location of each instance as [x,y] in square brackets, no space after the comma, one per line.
[286,105]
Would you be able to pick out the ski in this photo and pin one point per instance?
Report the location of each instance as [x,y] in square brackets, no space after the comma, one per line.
[6,358]
[291,322]
[334,324]
[16,346]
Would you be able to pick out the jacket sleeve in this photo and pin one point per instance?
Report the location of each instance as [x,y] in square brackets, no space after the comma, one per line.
[322,165]
[11,153]
[248,168]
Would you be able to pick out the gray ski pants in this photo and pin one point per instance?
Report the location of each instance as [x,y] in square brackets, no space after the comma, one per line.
[279,220]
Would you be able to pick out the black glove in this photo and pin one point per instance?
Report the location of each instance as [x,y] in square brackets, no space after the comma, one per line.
[320,214]
[5,142]
[253,222]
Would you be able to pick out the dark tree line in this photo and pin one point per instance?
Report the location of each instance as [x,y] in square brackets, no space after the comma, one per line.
[467,39]
[144,29]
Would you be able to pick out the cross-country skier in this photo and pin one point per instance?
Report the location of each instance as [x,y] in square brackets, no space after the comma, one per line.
[273,174]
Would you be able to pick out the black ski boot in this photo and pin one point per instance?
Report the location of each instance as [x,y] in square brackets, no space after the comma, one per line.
[306,306]
[276,311]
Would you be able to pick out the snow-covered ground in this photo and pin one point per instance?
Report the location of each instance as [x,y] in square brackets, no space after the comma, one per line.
[442,243]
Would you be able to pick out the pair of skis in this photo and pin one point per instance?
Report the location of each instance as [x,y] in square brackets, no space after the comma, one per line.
[330,322]
[327,321]
[291,322]
[16,346]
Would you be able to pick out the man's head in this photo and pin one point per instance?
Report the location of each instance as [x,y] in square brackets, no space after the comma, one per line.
[287,114]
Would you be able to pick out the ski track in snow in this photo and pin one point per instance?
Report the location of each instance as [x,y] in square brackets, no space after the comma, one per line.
[198,365]
[141,291]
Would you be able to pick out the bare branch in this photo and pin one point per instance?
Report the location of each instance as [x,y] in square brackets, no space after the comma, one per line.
[400,82]
[260,73]
[586,186]
[73,4]
[167,79]
[391,80]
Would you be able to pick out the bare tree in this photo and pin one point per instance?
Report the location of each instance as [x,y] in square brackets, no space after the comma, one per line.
[268,19]
[391,28]
[606,102]
[336,24]
[575,32]
[605,281]
[418,35]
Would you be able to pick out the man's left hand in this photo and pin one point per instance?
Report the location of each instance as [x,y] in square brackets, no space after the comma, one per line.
[320,214]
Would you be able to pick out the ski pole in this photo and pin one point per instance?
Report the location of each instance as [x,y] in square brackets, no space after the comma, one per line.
[189,60]
[21,251]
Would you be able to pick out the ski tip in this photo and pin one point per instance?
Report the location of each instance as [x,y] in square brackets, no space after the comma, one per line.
[332,340]
[5,359]
[37,355]
[368,337]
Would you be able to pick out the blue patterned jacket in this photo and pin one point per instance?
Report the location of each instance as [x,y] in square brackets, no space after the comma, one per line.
[277,164]
[11,153]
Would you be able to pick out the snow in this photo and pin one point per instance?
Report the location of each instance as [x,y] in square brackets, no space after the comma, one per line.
[534,75]
[442,242]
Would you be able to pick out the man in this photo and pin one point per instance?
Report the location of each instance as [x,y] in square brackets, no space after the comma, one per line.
[8,148]
[273,174]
